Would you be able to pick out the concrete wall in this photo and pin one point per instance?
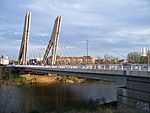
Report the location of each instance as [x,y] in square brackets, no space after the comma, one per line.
[136,94]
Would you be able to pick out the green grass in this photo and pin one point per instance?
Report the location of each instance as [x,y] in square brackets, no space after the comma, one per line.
[19,80]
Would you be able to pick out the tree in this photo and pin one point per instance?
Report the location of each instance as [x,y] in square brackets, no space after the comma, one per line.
[110,59]
[133,57]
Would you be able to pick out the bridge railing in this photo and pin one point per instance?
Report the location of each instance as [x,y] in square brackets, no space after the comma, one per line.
[117,69]
[130,67]
[106,67]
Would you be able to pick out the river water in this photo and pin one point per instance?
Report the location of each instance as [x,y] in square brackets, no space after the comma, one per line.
[55,97]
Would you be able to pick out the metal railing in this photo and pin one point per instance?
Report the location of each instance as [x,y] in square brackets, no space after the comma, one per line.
[130,67]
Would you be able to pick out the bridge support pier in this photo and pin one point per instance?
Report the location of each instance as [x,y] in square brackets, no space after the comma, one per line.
[136,94]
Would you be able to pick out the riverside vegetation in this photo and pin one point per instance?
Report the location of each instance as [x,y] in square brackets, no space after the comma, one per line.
[34,79]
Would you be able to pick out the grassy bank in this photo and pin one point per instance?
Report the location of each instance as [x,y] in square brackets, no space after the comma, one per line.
[40,79]
[19,80]
[44,79]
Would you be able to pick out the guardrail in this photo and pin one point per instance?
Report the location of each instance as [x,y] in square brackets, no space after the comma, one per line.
[133,70]
[95,67]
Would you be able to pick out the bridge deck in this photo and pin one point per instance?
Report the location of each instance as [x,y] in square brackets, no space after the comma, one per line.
[73,69]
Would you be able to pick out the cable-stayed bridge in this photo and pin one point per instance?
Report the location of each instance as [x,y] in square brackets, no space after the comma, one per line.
[49,56]
[134,78]
[72,66]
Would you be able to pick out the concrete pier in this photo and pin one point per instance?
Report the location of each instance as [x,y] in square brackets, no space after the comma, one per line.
[136,94]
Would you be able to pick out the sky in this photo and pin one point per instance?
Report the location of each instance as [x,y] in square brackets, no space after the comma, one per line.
[114,27]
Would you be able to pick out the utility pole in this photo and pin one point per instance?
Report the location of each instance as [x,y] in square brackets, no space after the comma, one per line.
[87,50]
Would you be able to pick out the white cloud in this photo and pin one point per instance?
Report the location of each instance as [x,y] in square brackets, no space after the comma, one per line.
[107,23]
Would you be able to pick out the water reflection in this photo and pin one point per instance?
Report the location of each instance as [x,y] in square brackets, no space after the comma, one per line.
[59,96]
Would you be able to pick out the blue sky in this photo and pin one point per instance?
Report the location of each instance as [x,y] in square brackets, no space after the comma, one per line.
[112,26]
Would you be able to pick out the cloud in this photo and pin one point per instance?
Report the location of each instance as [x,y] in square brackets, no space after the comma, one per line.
[114,24]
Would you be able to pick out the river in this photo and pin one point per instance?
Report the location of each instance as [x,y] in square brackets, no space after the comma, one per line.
[55,97]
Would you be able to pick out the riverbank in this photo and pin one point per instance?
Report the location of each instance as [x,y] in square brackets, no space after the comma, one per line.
[46,79]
